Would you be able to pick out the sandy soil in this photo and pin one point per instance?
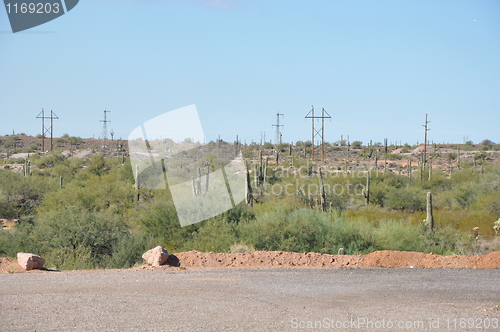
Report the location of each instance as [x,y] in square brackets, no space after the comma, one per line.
[385,258]
[274,259]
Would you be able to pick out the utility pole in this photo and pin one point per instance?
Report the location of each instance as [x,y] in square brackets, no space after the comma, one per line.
[45,129]
[104,129]
[277,137]
[425,140]
[320,132]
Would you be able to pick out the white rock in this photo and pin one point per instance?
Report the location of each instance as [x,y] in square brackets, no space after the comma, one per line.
[30,261]
[156,256]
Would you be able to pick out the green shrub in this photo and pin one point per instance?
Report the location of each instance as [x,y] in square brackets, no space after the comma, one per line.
[129,248]
[405,199]
[305,230]
[398,235]
[159,220]
[215,235]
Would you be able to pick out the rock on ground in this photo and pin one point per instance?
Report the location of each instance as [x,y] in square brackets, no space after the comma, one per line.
[156,256]
[30,261]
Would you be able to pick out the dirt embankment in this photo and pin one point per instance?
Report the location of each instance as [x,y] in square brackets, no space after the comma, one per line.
[385,258]
[277,259]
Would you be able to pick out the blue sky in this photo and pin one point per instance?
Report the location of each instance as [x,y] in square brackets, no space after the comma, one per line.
[377,67]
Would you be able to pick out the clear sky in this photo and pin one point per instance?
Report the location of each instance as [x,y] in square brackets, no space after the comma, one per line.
[377,67]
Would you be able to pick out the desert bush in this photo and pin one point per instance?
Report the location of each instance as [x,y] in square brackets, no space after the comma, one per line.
[21,195]
[448,241]
[298,231]
[488,203]
[405,199]
[50,160]
[305,230]
[159,220]
[240,248]
[71,238]
[129,248]
[267,145]
[215,234]
[94,193]
[356,144]
[398,235]
[18,239]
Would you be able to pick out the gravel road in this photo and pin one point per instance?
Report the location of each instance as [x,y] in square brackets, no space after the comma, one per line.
[251,300]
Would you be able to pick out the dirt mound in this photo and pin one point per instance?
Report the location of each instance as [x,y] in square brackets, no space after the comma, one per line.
[276,259]
[266,259]
[385,258]
[396,259]
[8,266]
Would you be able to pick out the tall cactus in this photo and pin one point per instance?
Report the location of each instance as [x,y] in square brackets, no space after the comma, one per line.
[137,185]
[429,221]
[323,193]
[430,169]
[366,191]
[248,188]
[409,169]
[207,180]
[385,161]
[260,174]
[26,167]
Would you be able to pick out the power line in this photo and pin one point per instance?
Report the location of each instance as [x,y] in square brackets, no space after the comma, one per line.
[277,137]
[45,129]
[425,139]
[320,133]
[104,129]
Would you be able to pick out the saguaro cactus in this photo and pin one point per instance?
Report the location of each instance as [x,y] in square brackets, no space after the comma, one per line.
[262,170]
[137,185]
[496,227]
[429,221]
[207,180]
[385,163]
[430,169]
[26,167]
[323,193]
[366,191]
[248,188]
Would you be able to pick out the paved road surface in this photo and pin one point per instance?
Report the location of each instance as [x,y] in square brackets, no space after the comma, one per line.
[251,300]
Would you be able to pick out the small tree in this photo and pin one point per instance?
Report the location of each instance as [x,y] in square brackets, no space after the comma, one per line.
[356,144]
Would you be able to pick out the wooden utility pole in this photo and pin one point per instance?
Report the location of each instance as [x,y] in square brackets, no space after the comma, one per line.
[46,129]
[425,140]
[315,132]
